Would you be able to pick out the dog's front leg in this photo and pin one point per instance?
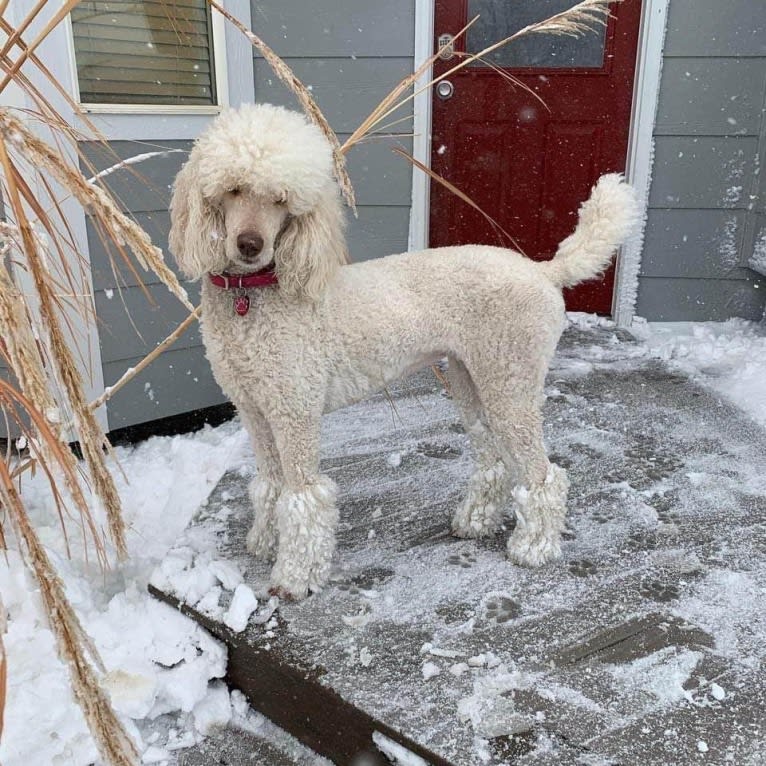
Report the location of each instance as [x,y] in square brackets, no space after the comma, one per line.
[306,511]
[265,488]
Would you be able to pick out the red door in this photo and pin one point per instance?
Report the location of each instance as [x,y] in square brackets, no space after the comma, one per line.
[527,164]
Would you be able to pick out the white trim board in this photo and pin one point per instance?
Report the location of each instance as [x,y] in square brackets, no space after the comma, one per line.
[421,143]
[640,149]
[646,91]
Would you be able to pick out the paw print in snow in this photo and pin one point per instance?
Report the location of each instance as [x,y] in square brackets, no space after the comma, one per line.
[582,568]
[659,591]
[465,560]
[500,609]
[602,517]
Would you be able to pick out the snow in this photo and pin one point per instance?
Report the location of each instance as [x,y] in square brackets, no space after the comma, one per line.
[243,604]
[729,357]
[135,160]
[398,755]
[157,661]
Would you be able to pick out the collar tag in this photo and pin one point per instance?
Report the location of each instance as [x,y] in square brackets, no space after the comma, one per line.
[242,304]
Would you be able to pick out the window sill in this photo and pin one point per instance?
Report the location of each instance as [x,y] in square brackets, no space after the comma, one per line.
[148,109]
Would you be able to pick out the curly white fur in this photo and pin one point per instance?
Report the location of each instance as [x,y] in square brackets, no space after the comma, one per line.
[330,334]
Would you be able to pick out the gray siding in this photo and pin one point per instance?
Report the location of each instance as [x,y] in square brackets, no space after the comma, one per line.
[350,54]
[134,319]
[706,209]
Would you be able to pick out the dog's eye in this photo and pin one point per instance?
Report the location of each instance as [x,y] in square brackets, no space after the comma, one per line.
[281,200]
[235,192]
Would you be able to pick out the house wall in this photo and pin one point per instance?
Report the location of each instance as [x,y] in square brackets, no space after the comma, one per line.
[706,207]
[350,55]
[350,59]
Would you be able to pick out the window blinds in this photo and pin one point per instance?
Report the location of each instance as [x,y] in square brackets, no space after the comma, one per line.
[158,52]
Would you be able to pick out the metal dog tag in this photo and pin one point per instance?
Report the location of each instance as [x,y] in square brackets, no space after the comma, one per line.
[242,304]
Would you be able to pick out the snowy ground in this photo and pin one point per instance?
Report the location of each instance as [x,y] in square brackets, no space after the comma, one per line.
[163,670]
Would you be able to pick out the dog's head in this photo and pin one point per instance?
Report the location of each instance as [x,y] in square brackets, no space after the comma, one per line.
[258,188]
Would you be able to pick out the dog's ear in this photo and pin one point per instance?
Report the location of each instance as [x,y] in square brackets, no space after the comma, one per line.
[312,247]
[197,236]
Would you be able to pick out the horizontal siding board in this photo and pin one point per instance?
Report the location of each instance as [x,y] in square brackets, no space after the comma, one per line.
[346,90]
[154,318]
[702,172]
[379,176]
[141,187]
[694,244]
[179,381]
[699,300]
[711,97]
[379,230]
[716,28]
[340,28]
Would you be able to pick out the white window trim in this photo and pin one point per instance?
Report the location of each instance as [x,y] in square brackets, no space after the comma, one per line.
[639,161]
[235,84]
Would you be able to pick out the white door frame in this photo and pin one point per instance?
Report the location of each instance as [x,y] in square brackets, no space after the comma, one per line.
[640,149]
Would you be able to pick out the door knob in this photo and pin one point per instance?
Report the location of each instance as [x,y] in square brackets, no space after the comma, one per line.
[445,89]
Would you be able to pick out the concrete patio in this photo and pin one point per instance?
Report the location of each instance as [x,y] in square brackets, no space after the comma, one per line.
[643,644]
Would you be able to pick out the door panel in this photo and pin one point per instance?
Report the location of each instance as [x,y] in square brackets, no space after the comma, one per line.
[529,154]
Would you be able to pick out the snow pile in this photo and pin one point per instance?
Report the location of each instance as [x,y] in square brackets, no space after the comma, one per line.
[158,662]
[729,357]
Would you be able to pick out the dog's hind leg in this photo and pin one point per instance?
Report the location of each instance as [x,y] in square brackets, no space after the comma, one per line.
[306,513]
[481,512]
[265,488]
[515,419]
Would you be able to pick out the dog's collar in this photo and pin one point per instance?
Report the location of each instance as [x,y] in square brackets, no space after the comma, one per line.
[241,282]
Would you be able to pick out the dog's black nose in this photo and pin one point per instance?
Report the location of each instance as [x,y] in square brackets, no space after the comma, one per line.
[249,244]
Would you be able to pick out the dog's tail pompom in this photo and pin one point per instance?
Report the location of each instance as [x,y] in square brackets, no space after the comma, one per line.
[605,221]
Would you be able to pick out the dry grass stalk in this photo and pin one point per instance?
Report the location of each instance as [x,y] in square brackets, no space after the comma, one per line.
[148,359]
[23,355]
[114,743]
[92,439]
[94,199]
[284,73]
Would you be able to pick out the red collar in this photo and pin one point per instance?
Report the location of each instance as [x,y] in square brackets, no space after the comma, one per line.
[242,281]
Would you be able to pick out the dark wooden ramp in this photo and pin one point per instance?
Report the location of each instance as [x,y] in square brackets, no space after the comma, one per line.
[644,644]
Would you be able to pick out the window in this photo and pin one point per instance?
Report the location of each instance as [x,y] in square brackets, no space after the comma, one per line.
[158,52]
[499,19]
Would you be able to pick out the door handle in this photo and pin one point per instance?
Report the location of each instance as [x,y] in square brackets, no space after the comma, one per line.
[445,89]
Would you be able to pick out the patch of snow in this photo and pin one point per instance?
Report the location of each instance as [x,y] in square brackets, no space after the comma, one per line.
[135,160]
[397,754]
[661,674]
[729,357]
[157,661]
[243,604]
[757,261]
[430,669]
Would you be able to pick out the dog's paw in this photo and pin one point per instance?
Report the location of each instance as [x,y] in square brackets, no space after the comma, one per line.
[533,550]
[471,522]
[262,542]
[294,581]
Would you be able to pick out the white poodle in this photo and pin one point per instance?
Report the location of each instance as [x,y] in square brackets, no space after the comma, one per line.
[292,331]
